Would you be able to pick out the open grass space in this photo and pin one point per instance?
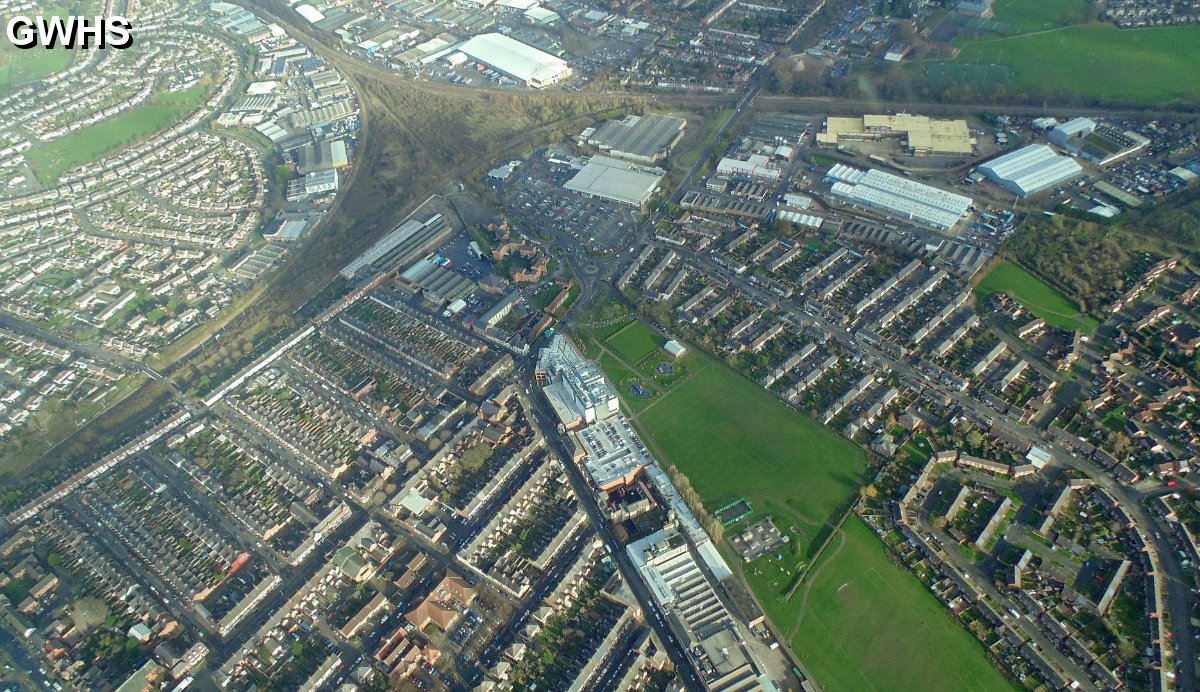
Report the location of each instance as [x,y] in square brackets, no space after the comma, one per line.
[1025,16]
[869,625]
[49,160]
[1041,298]
[626,381]
[1098,61]
[733,438]
[18,67]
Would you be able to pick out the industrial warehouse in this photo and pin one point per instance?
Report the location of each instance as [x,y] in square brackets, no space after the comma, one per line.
[404,240]
[640,138]
[526,64]
[616,180]
[918,134]
[1030,169]
[912,200]
[1099,144]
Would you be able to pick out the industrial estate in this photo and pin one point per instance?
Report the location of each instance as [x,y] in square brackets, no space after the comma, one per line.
[548,345]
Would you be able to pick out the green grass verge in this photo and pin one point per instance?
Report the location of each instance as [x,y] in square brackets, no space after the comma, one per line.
[1156,65]
[711,125]
[869,625]
[1039,297]
[49,160]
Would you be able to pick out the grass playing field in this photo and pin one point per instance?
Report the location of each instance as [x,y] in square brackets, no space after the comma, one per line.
[735,440]
[1155,65]
[1041,298]
[868,625]
[49,160]
[635,342]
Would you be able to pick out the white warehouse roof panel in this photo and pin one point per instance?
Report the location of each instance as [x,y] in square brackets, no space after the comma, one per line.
[1030,169]
[310,13]
[523,62]
[616,180]
[916,201]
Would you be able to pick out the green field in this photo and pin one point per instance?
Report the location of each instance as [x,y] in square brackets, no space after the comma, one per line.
[20,66]
[1025,16]
[734,439]
[1156,65]
[49,160]
[635,342]
[869,625]
[1036,295]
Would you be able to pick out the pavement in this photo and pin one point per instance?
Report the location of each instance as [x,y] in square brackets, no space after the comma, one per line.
[1178,582]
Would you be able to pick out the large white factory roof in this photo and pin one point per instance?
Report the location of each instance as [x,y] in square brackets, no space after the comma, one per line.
[917,201]
[616,180]
[312,14]
[1030,169]
[523,62]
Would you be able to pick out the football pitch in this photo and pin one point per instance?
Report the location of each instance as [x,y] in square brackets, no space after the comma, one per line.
[735,439]
[1026,16]
[635,342]
[869,625]
[1036,295]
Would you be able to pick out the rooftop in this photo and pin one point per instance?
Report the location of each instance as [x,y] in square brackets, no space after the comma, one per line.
[518,60]
[644,136]
[616,180]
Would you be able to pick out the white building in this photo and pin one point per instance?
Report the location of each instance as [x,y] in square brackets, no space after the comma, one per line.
[310,13]
[524,63]
[616,180]
[1077,127]
[756,166]
[575,387]
[900,196]
[1030,169]
[321,181]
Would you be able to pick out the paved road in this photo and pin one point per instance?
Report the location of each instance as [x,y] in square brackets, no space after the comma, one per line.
[545,418]
[984,583]
[1178,583]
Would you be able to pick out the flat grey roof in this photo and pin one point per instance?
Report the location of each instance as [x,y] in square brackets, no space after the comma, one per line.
[616,180]
[645,135]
